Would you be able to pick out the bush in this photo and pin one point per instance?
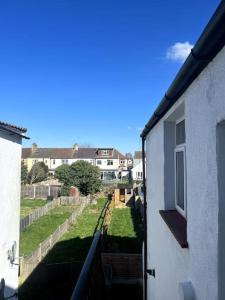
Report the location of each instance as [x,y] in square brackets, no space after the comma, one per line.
[86,177]
[80,174]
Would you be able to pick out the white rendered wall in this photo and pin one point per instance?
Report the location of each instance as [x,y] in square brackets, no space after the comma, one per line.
[136,169]
[115,166]
[204,109]
[10,164]
[165,255]
[103,166]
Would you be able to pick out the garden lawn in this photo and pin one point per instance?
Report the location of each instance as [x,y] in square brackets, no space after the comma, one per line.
[29,205]
[37,232]
[74,245]
[125,231]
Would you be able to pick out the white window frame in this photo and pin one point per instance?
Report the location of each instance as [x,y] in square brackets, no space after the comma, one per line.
[109,162]
[180,148]
[105,152]
[34,161]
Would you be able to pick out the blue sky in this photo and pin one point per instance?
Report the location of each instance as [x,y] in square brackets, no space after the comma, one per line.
[91,71]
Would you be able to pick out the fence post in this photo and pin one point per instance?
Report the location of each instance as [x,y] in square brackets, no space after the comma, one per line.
[50,241]
[34,192]
[49,190]
[39,253]
[21,265]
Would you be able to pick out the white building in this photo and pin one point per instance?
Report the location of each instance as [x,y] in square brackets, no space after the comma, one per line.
[185,177]
[137,170]
[10,166]
[110,161]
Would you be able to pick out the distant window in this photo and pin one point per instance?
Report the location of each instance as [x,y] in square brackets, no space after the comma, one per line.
[64,161]
[34,161]
[46,162]
[108,175]
[122,162]
[105,152]
[139,175]
[109,162]
[99,162]
[53,162]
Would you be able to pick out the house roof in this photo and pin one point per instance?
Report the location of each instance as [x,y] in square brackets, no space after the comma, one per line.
[68,153]
[211,41]
[13,129]
[85,153]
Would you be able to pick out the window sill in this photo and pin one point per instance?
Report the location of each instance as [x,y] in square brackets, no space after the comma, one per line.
[177,225]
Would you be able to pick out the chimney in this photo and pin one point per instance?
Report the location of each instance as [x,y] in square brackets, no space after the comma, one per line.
[34,148]
[75,147]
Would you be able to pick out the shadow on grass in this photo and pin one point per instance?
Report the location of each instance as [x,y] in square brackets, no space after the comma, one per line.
[56,276]
[124,244]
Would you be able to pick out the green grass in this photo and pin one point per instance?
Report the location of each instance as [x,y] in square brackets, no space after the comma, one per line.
[28,205]
[125,231]
[37,232]
[74,245]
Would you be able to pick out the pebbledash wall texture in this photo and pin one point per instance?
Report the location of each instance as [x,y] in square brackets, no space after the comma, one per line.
[10,164]
[202,264]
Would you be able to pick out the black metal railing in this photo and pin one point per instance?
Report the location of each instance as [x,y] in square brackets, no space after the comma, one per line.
[90,284]
[101,219]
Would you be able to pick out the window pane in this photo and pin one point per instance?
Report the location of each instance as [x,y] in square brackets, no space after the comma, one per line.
[180,133]
[180,179]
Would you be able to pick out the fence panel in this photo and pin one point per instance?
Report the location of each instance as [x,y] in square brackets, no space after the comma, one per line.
[29,263]
[40,191]
[37,213]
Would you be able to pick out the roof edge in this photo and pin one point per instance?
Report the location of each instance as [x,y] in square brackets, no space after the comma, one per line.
[210,42]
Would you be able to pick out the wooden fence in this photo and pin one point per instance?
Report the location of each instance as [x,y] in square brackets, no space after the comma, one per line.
[37,213]
[125,267]
[29,263]
[43,210]
[40,191]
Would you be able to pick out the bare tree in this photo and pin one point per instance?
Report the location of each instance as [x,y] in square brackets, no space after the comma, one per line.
[38,172]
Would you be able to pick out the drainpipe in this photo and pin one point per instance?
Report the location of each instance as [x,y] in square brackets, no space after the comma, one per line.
[145,221]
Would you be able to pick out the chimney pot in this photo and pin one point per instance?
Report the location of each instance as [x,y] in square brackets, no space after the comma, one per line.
[34,147]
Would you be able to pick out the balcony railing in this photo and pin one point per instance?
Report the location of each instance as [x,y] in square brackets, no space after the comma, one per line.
[90,284]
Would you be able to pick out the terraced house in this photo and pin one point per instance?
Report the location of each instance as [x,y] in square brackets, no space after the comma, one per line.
[112,163]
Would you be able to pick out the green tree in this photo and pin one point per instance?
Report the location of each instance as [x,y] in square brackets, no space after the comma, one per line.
[24,173]
[38,172]
[86,177]
[63,173]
